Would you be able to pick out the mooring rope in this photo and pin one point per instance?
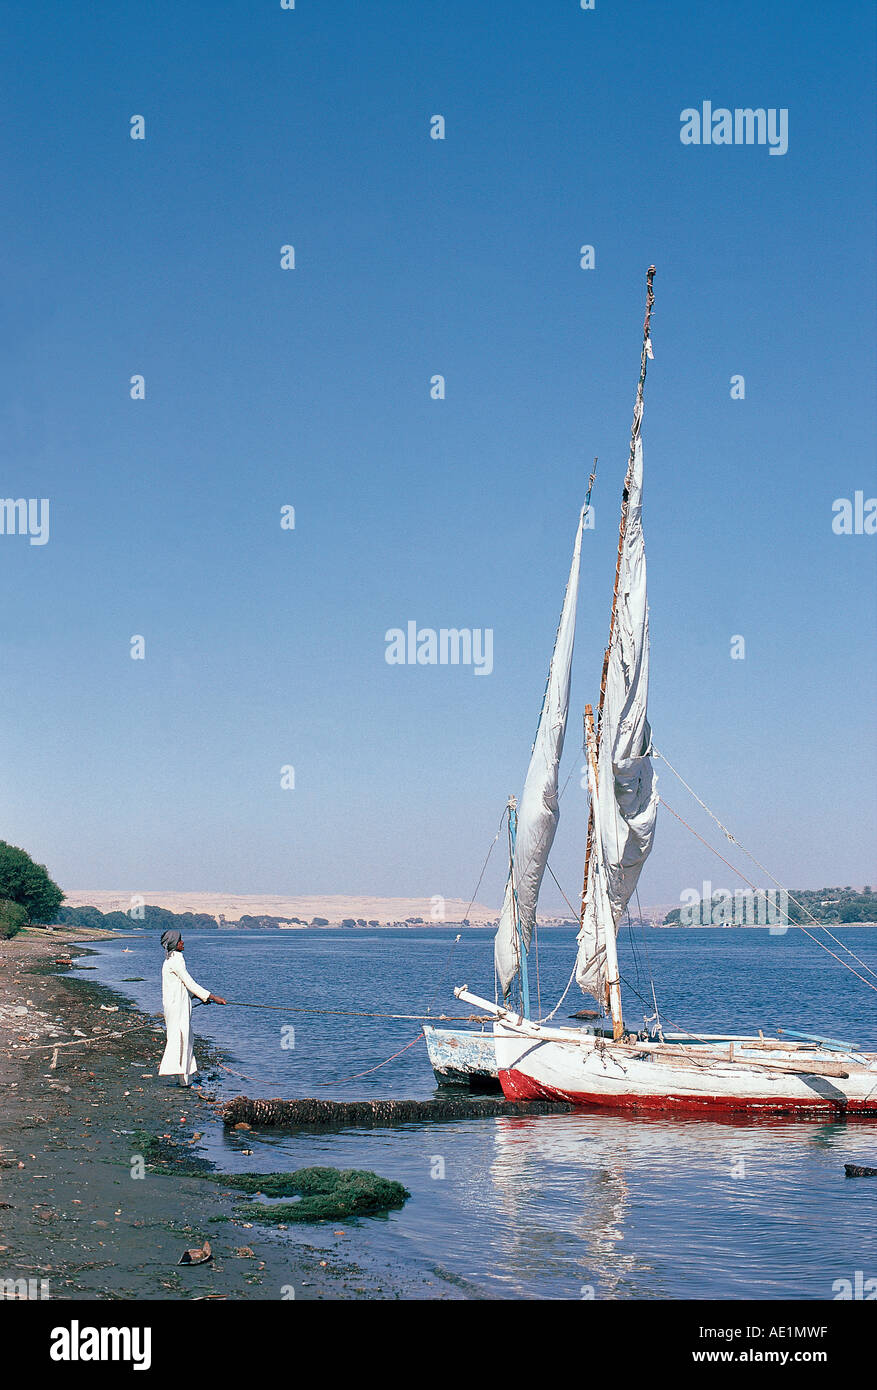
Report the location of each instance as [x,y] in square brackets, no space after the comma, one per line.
[239,1074]
[352,1013]
[321,1085]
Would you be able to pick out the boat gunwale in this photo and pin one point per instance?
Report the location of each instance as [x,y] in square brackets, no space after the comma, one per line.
[862,1062]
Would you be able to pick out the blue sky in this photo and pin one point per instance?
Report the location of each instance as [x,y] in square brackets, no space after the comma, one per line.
[310,387]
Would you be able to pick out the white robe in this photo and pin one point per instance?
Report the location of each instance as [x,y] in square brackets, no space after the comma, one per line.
[177,988]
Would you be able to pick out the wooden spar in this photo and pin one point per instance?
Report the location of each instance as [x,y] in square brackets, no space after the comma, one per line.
[613,983]
[758,1063]
[519,936]
[622,528]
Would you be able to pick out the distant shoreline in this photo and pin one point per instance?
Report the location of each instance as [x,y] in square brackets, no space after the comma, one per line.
[221,911]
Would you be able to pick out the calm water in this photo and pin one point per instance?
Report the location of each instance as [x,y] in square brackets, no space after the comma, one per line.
[559,1206]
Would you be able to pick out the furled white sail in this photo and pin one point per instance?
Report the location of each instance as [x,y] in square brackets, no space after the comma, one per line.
[539,811]
[626,805]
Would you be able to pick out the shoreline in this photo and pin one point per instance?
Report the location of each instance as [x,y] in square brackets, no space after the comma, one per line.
[74,1216]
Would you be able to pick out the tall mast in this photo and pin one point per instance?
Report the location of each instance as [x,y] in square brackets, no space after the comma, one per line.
[622,528]
[522,949]
[613,981]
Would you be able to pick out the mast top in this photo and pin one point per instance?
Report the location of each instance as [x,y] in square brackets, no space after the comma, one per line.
[591,480]
[650,299]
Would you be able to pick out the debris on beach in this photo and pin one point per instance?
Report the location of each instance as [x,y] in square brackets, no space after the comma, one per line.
[196,1257]
[244,1113]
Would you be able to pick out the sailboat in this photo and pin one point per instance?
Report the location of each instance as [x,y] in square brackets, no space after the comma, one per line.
[606,1063]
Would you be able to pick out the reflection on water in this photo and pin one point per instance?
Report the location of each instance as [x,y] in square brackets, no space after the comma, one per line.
[561,1206]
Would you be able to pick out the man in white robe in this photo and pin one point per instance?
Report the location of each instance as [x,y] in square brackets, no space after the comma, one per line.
[177,988]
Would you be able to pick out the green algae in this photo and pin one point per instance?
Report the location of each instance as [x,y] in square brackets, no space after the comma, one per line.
[324,1194]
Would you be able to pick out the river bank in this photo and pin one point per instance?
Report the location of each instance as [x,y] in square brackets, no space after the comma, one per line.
[81,1214]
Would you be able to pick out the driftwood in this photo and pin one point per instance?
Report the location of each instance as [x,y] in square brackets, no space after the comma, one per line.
[853,1170]
[312,1112]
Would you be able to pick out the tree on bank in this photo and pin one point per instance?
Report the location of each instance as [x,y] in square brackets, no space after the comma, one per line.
[12,918]
[27,884]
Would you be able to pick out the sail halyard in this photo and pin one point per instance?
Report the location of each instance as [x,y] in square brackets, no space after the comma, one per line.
[538,811]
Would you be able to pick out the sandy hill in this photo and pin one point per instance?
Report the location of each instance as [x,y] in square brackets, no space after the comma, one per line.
[335,908]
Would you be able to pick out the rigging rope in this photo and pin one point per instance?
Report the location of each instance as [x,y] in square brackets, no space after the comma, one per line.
[734,841]
[575,963]
[798,925]
[657,1014]
[444,973]
[484,865]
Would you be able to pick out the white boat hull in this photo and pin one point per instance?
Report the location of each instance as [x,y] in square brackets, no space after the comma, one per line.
[601,1075]
[462,1057]
[743,1075]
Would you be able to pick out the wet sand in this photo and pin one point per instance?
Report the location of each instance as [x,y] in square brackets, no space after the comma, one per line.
[71,1136]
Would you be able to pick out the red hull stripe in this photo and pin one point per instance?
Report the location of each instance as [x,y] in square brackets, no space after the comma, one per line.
[517,1086]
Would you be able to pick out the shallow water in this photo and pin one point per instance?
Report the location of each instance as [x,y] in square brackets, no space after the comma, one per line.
[559,1206]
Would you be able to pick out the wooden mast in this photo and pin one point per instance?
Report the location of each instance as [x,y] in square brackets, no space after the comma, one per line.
[613,981]
[622,528]
[519,935]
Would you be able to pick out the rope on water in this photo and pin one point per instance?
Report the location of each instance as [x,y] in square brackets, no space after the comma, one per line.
[357,1075]
[239,1074]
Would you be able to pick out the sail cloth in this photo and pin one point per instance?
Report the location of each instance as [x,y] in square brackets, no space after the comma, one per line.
[539,811]
[627,802]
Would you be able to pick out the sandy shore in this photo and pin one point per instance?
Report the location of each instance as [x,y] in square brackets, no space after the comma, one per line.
[72,1214]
